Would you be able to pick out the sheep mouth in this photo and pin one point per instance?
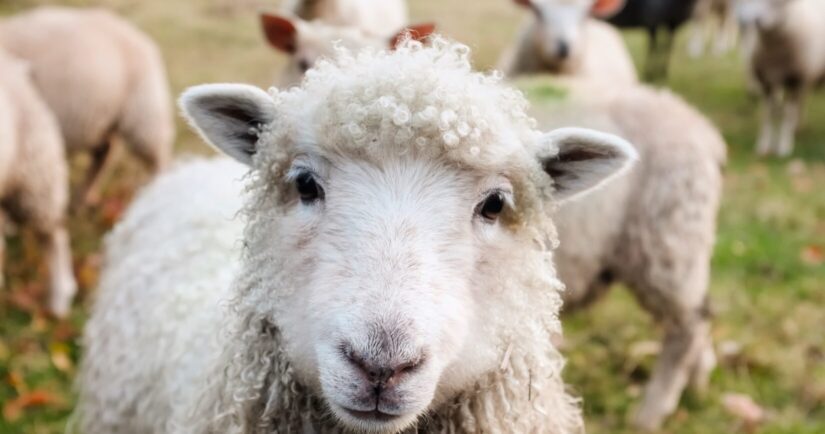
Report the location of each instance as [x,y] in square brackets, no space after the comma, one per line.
[371,416]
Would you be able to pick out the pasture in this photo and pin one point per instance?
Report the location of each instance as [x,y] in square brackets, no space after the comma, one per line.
[768,283]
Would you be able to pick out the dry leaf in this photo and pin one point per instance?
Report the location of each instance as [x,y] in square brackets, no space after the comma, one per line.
[744,408]
[812,255]
[60,357]
[13,410]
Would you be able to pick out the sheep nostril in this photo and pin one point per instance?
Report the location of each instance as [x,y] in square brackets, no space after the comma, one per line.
[563,49]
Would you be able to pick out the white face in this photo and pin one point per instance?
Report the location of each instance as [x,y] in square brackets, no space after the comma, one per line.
[392,261]
[761,14]
[559,27]
[390,287]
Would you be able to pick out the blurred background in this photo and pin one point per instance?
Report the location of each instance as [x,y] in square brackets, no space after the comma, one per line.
[768,282]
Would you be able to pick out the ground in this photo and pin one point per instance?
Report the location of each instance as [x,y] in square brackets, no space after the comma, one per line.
[768,269]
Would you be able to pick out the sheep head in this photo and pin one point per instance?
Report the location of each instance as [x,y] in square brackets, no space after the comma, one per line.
[307,41]
[558,34]
[764,15]
[398,228]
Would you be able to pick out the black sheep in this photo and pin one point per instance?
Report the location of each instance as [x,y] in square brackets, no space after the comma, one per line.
[655,15]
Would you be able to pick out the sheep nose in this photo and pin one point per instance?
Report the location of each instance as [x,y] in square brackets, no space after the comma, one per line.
[563,49]
[383,375]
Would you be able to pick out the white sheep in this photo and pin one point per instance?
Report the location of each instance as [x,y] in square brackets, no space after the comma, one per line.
[395,272]
[563,38]
[308,41]
[652,229]
[787,60]
[34,178]
[713,21]
[102,78]
[380,18]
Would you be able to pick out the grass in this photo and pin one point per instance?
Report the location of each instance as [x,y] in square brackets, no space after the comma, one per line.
[768,275]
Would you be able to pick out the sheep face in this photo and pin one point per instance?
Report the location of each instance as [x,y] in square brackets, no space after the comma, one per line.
[559,25]
[374,247]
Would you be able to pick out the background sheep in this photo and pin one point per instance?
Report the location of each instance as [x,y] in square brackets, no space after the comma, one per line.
[563,38]
[307,41]
[787,60]
[379,18]
[653,16]
[33,177]
[653,229]
[397,162]
[714,23]
[102,78]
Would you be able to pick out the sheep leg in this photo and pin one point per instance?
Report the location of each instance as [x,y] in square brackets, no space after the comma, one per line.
[789,123]
[771,111]
[63,286]
[682,349]
[90,189]
[652,54]
[2,250]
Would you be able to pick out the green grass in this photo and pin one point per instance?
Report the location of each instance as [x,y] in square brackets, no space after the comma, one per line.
[768,284]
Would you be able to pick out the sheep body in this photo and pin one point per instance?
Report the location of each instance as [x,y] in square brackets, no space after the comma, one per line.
[101,77]
[653,229]
[33,175]
[601,55]
[380,18]
[255,364]
[787,60]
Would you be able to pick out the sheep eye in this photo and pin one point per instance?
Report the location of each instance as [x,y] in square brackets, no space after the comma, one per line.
[308,189]
[492,206]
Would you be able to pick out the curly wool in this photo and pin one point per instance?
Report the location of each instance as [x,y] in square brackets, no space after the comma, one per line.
[464,118]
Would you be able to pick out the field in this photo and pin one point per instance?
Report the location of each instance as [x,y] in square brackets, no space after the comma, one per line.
[768,285]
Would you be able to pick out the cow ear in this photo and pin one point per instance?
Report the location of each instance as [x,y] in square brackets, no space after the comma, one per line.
[579,159]
[229,116]
[606,8]
[416,32]
[281,32]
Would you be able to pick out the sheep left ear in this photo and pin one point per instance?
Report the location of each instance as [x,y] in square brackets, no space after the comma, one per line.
[606,8]
[585,159]
[416,32]
[229,116]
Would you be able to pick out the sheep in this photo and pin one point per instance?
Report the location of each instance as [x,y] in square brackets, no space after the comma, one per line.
[562,38]
[307,41]
[34,177]
[788,60]
[380,18]
[652,229]
[652,15]
[395,270]
[102,78]
[713,19]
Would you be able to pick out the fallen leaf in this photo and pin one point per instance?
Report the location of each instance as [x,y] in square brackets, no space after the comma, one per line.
[59,353]
[812,255]
[13,410]
[87,271]
[745,409]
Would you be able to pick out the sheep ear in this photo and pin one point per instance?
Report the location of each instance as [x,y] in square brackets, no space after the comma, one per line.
[606,8]
[585,159]
[416,32]
[227,116]
[280,32]
[525,3]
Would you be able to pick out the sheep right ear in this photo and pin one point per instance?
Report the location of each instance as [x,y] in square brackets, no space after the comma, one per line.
[578,159]
[525,3]
[606,8]
[228,116]
[280,32]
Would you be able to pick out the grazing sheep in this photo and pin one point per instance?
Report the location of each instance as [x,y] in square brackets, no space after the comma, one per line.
[714,21]
[102,78]
[653,15]
[787,60]
[34,177]
[562,38]
[373,17]
[652,229]
[395,272]
[307,41]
